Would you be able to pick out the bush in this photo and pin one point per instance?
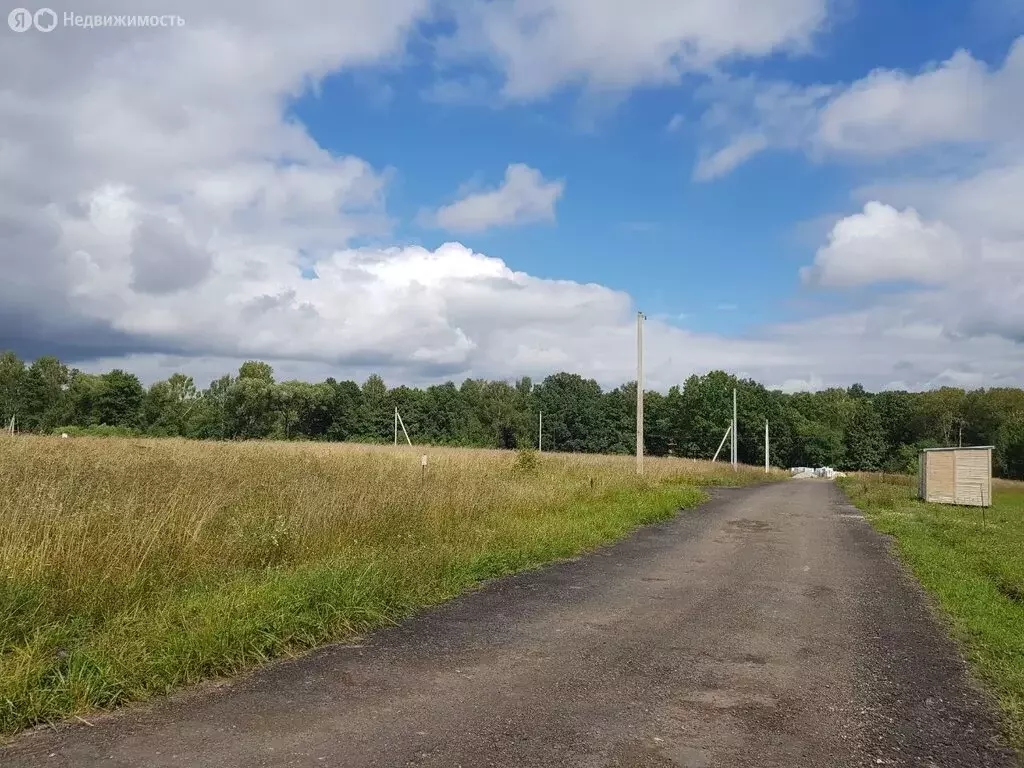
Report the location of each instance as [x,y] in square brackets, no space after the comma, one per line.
[526,460]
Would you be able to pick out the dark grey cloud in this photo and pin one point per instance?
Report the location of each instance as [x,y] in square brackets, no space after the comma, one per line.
[163,261]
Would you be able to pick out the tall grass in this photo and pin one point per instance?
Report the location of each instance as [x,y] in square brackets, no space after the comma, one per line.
[973,563]
[130,567]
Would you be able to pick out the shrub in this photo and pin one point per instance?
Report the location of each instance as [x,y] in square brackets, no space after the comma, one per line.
[526,460]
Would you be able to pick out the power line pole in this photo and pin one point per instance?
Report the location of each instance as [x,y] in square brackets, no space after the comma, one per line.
[766,470]
[735,452]
[396,426]
[639,393]
[540,432]
[724,438]
[404,430]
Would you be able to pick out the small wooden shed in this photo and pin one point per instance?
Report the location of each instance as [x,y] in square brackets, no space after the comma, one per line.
[956,476]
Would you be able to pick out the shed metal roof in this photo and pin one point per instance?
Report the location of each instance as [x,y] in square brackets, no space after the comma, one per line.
[961,448]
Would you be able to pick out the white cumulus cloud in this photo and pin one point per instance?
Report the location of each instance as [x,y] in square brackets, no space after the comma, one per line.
[524,197]
[955,236]
[961,100]
[543,45]
[882,244]
[888,112]
[162,210]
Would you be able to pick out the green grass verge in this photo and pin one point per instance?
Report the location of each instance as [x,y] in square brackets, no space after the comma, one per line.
[974,566]
[56,664]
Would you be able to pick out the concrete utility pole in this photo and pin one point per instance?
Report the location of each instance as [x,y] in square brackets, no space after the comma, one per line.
[404,430]
[766,470]
[639,393]
[735,452]
[398,420]
[540,432]
[724,438]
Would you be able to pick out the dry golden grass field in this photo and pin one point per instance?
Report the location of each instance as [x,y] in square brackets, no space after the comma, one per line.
[132,567]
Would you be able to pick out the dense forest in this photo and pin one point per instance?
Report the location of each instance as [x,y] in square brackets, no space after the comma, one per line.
[849,429]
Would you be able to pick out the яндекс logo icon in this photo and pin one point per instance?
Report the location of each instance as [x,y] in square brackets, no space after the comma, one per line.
[20,20]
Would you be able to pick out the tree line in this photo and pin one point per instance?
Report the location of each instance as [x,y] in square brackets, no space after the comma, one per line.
[849,429]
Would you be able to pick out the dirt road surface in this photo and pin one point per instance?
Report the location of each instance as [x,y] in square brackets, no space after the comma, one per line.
[770,627]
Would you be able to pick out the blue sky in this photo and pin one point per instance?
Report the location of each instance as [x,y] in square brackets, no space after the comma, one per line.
[724,254]
[804,191]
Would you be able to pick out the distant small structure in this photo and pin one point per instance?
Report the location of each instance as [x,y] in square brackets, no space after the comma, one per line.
[807,472]
[956,476]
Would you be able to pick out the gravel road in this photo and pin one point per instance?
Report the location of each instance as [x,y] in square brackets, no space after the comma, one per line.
[770,627]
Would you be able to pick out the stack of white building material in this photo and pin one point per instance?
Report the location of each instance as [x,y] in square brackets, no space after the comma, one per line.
[807,472]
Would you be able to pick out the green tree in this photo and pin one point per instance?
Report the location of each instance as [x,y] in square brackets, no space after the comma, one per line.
[817,445]
[80,399]
[865,439]
[897,413]
[252,402]
[377,417]
[13,376]
[448,419]
[256,370]
[410,404]
[168,404]
[251,408]
[118,400]
[572,413]
[941,414]
[346,410]
[208,417]
[661,428]
[847,428]
[45,383]
[856,392]
[701,413]
[313,409]
[1010,449]
[619,422]
[755,405]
